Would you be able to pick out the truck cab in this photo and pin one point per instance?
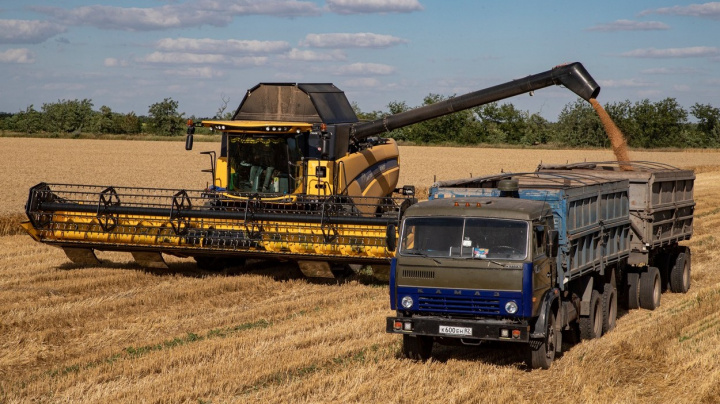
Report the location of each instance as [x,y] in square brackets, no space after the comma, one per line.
[471,269]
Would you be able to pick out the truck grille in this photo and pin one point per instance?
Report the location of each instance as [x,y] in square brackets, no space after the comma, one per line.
[459,304]
[412,273]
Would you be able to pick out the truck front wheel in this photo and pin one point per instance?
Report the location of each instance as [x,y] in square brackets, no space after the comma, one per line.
[417,347]
[542,351]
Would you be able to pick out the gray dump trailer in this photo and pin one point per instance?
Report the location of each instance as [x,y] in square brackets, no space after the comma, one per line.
[530,257]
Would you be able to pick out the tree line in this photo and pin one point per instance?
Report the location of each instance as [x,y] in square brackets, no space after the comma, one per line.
[78,116]
[645,124]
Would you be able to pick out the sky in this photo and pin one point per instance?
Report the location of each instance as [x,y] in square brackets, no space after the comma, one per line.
[128,55]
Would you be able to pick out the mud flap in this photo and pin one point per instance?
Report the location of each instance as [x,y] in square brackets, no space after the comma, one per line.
[316,269]
[152,260]
[81,256]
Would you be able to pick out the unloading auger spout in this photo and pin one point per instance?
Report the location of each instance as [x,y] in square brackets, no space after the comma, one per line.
[573,76]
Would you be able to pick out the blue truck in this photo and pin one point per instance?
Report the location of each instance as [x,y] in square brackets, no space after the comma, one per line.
[530,257]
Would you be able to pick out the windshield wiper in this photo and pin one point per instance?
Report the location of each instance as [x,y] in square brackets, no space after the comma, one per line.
[422,254]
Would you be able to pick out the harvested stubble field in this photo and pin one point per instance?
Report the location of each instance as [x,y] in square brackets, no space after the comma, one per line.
[262,333]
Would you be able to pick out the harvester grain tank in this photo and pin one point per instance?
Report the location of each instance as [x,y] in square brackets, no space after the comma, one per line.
[529,257]
[298,178]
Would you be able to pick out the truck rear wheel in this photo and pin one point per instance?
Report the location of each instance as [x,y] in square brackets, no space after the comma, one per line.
[680,273]
[542,351]
[650,289]
[609,303]
[417,347]
[632,286]
[591,326]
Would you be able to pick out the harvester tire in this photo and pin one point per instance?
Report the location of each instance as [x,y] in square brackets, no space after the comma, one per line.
[591,326]
[417,347]
[680,273]
[610,308]
[650,289]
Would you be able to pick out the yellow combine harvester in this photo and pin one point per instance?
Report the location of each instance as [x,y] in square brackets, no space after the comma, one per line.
[298,178]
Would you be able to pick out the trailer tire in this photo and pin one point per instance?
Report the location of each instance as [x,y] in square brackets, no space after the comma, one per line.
[591,326]
[609,304]
[650,289]
[680,273]
[632,299]
[417,347]
[542,351]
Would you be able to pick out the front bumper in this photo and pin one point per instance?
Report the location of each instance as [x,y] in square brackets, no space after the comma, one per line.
[493,330]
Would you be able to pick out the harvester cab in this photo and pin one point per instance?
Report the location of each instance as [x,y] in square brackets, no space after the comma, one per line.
[294,139]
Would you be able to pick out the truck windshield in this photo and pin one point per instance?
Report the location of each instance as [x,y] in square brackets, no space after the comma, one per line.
[261,164]
[465,238]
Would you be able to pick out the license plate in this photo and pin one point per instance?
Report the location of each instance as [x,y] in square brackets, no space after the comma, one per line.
[450,330]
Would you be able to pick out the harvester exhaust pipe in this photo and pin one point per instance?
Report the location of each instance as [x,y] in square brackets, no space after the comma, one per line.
[573,76]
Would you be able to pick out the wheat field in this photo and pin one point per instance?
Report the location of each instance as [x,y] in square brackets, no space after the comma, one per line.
[263,333]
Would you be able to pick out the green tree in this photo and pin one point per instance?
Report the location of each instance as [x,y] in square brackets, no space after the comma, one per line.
[104,121]
[67,116]
[28,121]
[579,125]
[504,123]
[708,125]
[164,119]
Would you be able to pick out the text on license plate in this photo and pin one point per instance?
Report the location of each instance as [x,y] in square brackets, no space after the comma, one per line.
[446,329]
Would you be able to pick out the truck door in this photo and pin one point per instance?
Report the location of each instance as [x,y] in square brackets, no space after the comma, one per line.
[542,268]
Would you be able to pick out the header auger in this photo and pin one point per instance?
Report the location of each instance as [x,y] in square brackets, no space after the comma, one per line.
[298,177]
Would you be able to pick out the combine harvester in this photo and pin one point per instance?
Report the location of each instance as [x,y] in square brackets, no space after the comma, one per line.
[298,178]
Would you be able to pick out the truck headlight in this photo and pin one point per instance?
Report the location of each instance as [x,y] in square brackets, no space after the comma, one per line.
[511,307]
[407,302]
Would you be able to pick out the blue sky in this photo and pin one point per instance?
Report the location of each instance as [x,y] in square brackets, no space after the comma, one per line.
[130,54]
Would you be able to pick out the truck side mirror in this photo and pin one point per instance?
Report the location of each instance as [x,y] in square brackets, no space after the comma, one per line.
[189,141]
[390,237]
[553,242]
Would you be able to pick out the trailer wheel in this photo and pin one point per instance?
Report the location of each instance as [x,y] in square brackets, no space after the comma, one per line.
[650,289]
[609,304]
[632,298]
[591,326]
[542,351]
[680,273]
[417,347]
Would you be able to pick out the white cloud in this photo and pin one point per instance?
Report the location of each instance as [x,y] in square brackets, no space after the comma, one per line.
[705,10]
[218,46]
[62,86]
[192,13]
[204,72]
[373,6]
[628,25]
[364,69]
[348,40]
[670,70]
[681,88]
[249,61]
[21,56]
[365,82]
[690,52]
[278,8]
[625,83]
[182,57]
[136,18]
[28,31]
[312,56]
[114,62]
